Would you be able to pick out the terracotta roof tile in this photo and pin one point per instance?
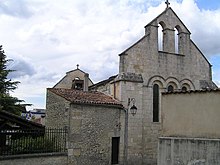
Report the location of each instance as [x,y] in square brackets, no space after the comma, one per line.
[87,97]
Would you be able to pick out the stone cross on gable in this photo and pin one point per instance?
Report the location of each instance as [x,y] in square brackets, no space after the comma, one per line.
[167,3]
[77,66]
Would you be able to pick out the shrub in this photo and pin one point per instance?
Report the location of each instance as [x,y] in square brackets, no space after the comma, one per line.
[29,144]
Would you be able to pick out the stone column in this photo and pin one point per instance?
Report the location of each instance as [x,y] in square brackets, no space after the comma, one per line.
[169,40]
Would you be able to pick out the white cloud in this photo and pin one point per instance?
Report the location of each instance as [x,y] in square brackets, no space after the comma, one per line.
[51,37]
[203,24]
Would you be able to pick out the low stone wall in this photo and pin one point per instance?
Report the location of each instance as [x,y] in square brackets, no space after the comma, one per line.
[35,159]
[188,151]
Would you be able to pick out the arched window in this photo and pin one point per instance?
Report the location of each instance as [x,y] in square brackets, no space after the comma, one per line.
[184,89]
[156,97]
[170,88]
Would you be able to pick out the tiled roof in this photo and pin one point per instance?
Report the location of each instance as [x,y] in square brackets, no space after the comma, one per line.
[85,97]
[193,91]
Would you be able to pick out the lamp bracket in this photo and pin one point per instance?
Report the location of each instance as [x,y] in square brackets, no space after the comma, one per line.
[131,100]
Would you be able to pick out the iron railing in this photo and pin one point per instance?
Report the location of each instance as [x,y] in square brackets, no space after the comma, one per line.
[16,141]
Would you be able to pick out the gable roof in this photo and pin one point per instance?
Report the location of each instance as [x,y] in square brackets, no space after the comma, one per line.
[85,97]
[169,8]
[69,73]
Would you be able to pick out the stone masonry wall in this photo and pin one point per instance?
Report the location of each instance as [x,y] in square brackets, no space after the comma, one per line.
[188,151]
[56,111]
[91,132]
[135,122]
[90,129]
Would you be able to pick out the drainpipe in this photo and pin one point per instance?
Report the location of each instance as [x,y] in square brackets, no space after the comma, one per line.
[126,138]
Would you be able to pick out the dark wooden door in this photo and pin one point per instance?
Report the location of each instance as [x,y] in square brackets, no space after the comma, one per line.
[115,149]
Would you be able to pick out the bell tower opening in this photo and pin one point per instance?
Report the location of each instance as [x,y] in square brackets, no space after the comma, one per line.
[77,84]
[176,41]
[160,38]
[161,27]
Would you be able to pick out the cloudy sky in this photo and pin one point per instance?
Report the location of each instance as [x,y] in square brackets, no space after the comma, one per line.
[47,38]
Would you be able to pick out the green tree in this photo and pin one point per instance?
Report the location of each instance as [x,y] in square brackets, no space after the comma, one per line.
[7,102]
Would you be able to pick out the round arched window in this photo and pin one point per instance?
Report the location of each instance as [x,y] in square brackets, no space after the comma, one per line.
[170,88]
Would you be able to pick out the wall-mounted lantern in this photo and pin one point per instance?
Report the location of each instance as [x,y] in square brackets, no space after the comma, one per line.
[131,106]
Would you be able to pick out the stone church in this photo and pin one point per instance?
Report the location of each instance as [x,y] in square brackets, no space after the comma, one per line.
[145,71]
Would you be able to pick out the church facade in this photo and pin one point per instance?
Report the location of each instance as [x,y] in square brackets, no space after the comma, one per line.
[145,71]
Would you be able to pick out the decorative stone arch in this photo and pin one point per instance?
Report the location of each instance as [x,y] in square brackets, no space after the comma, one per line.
[164,26]
[179,29]
[157,85]
[171,87]
[183,39]
[168,41]
[157,79]
[187,83]
[173,81]
[178,42]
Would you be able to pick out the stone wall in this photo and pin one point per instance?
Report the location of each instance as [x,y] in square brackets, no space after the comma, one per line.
[90,129]
[36,159]
[91,132]
[57,114]
[136,125]
[188,151]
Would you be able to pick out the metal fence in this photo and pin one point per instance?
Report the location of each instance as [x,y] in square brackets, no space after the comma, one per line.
[15,142]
